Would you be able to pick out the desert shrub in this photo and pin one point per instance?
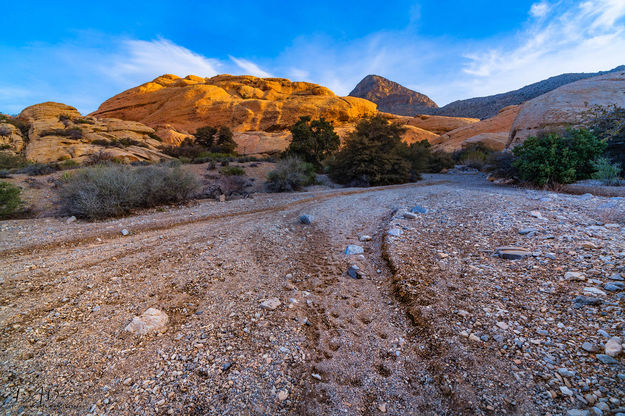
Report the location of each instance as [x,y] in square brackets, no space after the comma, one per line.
[99,158]
[114,190]
[232,171]
[474,155]
[68,164]
[555,159]
[608,123]
[38,169]
[127,141]
[313,141]
[439,161]
[212,165]
[11,161]
[82,120]
[101,142]
[10,200]
[73,133]
[373,155]
[291,174]
[187,149]
[22,126]
[155,136]
[500,165]
[5,131]
[205,136]
[607,172]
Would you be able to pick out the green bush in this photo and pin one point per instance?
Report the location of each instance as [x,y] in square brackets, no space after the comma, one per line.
[373,155]
[113,190]
[291,174]
[10,200]
[39,169]
[225,141]
[554,159]
[232,171]
[608,173]
[313,141]
[11,161]
[205,136]
[440,160]
[474,155]
[608,123]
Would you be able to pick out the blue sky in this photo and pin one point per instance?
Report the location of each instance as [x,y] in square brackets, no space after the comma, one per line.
[82,53]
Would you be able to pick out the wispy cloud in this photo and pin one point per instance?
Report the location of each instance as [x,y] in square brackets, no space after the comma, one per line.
[250,68]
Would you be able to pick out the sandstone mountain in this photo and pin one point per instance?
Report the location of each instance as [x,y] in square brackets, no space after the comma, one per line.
[59,132]
[492,132]
[567,106]
[392,97]
[243,103]
[485,107]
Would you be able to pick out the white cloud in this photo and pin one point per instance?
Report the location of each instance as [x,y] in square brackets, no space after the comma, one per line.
[250,68]
[539,9]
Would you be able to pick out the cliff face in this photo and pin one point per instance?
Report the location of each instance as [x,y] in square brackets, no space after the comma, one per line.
[243,103]
[392,97]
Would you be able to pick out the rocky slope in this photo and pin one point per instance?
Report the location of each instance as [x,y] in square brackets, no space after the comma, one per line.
[243,103]
[567,106]
[493,132]
[392,97]
[59,132]
[485,107]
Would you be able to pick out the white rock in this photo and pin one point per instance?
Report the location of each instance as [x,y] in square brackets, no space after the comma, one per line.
[365,238]
[70,220]
[271,303]
[353,249]
[594,291]
[125,232]
[283,395]
[613,347]
[396,232]
[502,325]
[152,320]
[574,276]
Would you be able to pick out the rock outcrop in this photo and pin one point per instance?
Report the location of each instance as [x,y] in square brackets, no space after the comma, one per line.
[392,97]
[492,132]
[567,106]
[59,132]
[440,124]
[243,103]
[11,138]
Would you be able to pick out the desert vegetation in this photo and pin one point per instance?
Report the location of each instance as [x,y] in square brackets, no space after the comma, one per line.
[10,200]
[291,174]
[114,190]
[313,141]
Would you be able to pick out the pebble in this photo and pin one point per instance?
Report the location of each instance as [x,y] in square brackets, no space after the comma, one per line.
[396,232]
[354,272]
[283,395]
[616,276]
[271,304]
[365,238]
[125,232]
[606,359]
[306,219]
[574,276]
[354,249]
[581,301]
[526,231]
[418,209]
[566,391]
[70,220]
[594,291]
[614,286]
[590,347]
[316,376]
[577,412]
[512,253]
[410,216]
[566,373]
[613,347]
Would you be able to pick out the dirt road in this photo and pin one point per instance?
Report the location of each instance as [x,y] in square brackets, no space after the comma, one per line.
[334,345]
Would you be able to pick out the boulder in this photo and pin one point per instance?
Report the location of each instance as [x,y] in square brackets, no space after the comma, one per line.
[150,321]
[567,106]
[58,132]
[493,132]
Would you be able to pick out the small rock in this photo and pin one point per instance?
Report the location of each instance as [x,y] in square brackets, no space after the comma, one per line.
[70,220]
[566,373]
[581,301]
[316,376]
[354,249]
[606,359]
[577,412]
[589,347]
[616,276]
[382,407]
[594,291]
[354,272]
[152,320]
[306,219]
[575,276]
[396,232]
[613,347]
[418,209]
[410,216]
[512,253]
[526,231]
[502,325]
[365,238]
[614,286]
[283,395]
[536,214]
[271,304]
[222,198]
[125,232]
[566,391]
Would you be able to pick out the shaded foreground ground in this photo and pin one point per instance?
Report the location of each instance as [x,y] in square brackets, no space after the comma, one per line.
[447,329]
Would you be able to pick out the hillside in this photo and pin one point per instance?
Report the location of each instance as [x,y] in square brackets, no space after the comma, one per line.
[392,97]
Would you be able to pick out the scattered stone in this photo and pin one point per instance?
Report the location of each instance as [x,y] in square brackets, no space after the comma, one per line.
[575,276]
[365,238]
[70,220]
[590,347]
[594,291]
[418,209]
[410,216]
[589,245]
[222,198]
[354,249]
[512,253]
[581,301]
[227,366]
[502,325]
[382,407]
[354,272]
[271,304]
[577,412]
[526,231]
[152,320]
[125,232]
[613,347]
[316,376]
[617,276]
[396,232]
[566,373]
[614,286]
[536,214]
[283,395]
[306,219]
[606,359]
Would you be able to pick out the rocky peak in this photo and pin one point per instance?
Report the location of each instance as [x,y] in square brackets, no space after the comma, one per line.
[392,97]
